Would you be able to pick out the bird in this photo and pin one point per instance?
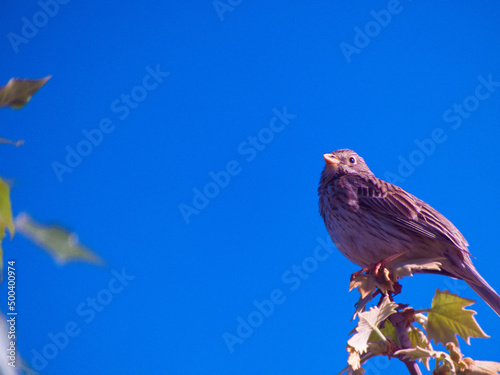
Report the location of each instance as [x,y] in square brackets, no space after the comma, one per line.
[370,220]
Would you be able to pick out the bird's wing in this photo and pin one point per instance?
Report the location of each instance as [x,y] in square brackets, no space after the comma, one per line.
[405,210]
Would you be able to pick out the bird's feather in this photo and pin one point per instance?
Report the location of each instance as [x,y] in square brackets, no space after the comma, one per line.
[404,209]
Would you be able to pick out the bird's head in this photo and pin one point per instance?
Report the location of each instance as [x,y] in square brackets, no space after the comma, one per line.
[344,161]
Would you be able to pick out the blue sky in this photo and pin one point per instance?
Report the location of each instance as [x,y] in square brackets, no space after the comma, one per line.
[151,106]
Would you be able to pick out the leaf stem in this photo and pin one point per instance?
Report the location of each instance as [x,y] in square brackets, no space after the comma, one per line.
[379,333]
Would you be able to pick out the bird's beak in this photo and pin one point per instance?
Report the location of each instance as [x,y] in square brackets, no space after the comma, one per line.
[331,159]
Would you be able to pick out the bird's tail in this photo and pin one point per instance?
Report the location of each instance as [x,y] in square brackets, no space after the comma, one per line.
[485,291]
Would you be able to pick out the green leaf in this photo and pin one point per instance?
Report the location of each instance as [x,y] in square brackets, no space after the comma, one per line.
[60,243]
[18,92]
[418,338]
[368,323]
[448,318]
[388,331]
[5,209]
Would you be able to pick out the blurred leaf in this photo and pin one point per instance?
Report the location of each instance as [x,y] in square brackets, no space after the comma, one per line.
[18,92]
[5,209]
[359,371]
[456,356]
[60,243]
[444,369]
[468,366]
[481,367]
[368,322]
[448,318]
[354,363]
[10,142]
[354,359]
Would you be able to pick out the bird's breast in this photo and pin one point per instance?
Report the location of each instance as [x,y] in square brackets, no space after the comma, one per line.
[361,236]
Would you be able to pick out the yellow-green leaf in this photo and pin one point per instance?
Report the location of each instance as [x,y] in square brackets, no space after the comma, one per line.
[59,242]
[17,92]
[5,209]
[448,318]
[418,338]
[388,331]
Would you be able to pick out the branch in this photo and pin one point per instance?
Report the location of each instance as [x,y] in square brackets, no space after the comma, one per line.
[398,320]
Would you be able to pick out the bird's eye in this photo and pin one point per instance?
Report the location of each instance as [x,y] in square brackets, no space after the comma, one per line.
[352,160]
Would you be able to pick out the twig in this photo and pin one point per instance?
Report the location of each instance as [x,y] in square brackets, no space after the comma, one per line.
[398,320]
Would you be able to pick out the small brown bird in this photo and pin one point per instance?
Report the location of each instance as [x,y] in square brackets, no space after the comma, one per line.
[370,220]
